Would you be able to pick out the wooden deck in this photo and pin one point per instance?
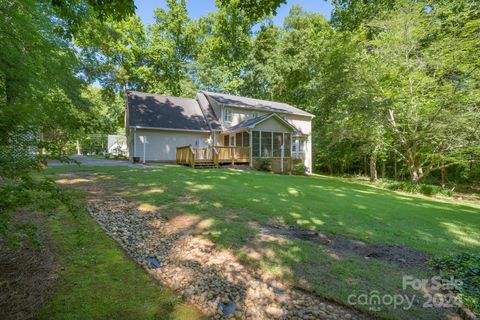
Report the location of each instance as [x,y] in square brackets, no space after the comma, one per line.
[213,156]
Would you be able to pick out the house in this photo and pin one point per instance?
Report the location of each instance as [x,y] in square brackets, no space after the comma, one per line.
[217,128]
[117,145]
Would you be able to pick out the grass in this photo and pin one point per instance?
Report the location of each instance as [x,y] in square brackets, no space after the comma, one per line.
[228,200]
[98,280]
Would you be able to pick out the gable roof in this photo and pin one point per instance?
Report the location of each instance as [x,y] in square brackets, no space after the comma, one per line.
[162,112]
[251,123]
[250,103]
[208,112]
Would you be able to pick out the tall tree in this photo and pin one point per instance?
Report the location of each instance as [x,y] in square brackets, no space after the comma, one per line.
[171,48]
[112,51]
[427,91]
[223,56]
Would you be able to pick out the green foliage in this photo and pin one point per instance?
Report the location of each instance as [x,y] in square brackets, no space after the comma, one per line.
[98,279]
[263,164]
[465,268]
[41,195]
[41,88]
[325,204]
[300,169]
[254,9]
[389,82]
[408,186]
[172,45]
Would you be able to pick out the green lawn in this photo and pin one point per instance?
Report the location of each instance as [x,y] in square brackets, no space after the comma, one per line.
[97,280]
[228,200]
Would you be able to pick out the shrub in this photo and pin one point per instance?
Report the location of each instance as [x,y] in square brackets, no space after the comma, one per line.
[411,187]
[465,268]
[299,169]
[41,195]
[263,164]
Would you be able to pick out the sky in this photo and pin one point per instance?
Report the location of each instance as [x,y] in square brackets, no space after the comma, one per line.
[198,8]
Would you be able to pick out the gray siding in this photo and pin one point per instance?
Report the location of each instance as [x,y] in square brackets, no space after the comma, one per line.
[162,145]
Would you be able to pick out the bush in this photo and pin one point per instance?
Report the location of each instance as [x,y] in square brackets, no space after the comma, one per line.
[411,187]
[463,267]
[41,195]
[263,164]
[299,169]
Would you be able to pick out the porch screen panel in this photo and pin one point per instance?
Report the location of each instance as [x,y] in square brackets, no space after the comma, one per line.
[266,144]
[226,141]
[288,146]
[255,144]
[277,144]
[238,139]
[246,139]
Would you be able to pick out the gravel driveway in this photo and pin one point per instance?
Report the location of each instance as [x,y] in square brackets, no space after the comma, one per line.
[86,161]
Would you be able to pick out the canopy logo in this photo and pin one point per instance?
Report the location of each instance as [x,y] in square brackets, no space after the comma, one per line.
[433,293]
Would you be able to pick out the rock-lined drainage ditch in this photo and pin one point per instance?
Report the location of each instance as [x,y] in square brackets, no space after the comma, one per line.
[213,280]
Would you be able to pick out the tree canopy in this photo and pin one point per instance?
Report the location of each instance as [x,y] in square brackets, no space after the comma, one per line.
[393,83]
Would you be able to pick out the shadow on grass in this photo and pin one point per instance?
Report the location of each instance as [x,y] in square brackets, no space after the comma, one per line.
[98,280]
[229,199]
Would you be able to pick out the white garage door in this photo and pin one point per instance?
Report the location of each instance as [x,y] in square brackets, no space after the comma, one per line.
[162,145]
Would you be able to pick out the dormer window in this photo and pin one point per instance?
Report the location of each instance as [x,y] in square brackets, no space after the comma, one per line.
[254,115]
[227,115]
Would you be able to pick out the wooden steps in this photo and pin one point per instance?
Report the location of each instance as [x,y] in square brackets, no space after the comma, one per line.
[204,164]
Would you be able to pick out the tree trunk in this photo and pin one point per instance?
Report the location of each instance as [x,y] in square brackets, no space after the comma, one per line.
[373,168]
[442,177]
[78,148]
[395,166]
[416,174]
[365,165]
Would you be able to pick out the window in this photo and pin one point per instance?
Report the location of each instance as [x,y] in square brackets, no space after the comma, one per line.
[298,146]
[287,141]
[232,140]
[301,145]
[277,144]
[246,139]
[227,115]
[238,139]
[254,114]
[226,142]
[255,144]
[266,144]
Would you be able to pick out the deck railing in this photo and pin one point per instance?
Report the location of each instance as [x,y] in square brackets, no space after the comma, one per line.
[233,154]
[186,155]
[190,156]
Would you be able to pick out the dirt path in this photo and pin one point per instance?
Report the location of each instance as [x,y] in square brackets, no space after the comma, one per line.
[212,279]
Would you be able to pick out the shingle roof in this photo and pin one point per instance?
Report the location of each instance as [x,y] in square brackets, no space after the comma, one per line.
[251,103]
[155,111]
[208,112]
[250,123]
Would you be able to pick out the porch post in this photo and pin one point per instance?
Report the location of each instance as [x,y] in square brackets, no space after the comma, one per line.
[260,143]
[282,151]
[251,147]
[272,145]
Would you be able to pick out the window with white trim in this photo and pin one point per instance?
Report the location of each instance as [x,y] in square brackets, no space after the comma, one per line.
[227,115]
